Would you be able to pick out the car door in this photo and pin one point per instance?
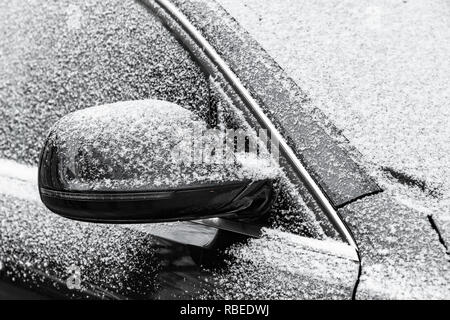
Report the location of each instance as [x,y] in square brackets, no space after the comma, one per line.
[64,56]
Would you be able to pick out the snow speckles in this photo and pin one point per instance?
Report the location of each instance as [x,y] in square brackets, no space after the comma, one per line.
[380,71]
[401,253]
[48,70]
[282,266]
[110,257]
[129,145]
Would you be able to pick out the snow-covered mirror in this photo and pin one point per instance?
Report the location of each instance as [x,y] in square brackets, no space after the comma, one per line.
[148,160]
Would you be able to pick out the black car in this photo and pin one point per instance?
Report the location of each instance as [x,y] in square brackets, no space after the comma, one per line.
[183,163]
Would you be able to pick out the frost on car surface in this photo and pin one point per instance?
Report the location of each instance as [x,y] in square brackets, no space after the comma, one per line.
[49,69]
[115,55]
[387,94]
[290,211]
[144,145]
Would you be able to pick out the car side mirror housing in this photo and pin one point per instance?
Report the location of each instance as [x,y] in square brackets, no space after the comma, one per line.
[133,162]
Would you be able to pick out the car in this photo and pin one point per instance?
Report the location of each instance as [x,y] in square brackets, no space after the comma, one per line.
[182,162]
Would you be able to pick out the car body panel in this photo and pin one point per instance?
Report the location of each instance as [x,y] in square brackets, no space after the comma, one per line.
[149,261]
[402,256]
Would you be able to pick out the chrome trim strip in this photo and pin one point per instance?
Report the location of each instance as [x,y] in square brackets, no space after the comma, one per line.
[264,121]
[248,229]
[112,196]
[164,193]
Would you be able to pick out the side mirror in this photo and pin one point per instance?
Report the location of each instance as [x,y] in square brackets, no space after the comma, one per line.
[131,162]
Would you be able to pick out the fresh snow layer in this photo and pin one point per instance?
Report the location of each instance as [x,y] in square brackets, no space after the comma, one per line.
[50,67]
[138,144]
[284,266]
[380,71]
